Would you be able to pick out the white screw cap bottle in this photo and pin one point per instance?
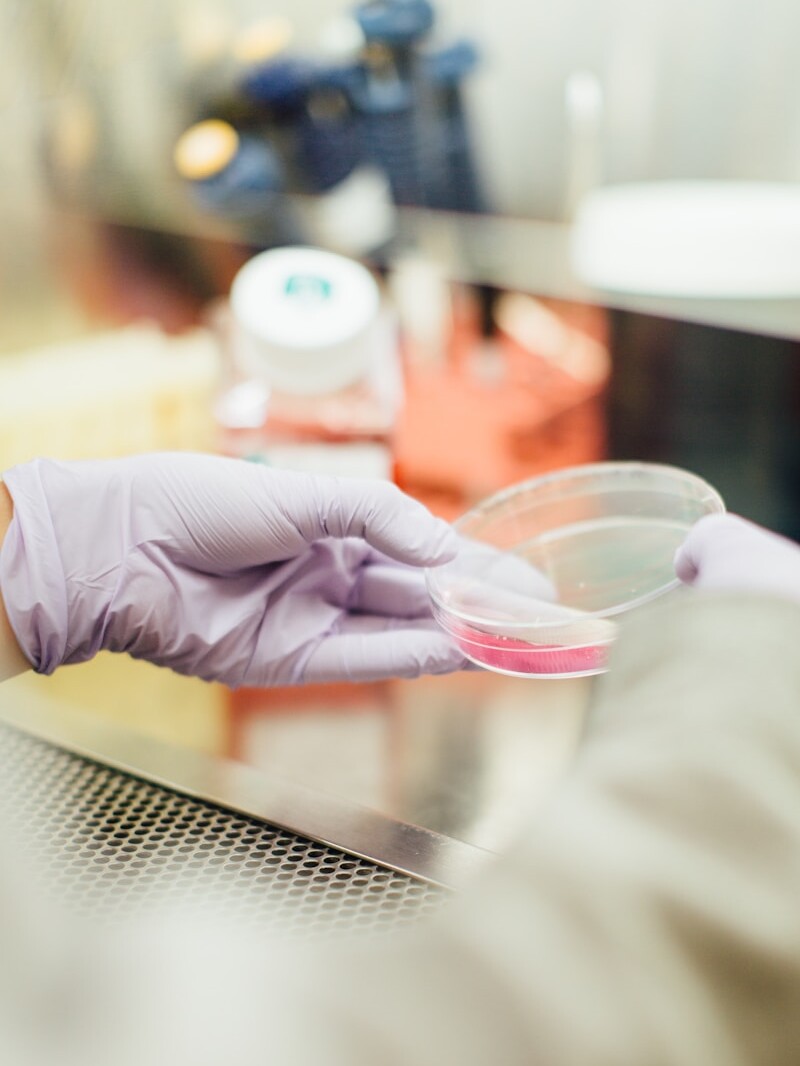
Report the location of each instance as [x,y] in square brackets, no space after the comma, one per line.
[306,321]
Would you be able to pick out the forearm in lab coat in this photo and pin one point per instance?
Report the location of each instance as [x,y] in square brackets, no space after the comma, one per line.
[651,914]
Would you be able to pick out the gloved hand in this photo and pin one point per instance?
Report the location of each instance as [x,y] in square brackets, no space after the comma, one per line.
[222,569]
[726,553]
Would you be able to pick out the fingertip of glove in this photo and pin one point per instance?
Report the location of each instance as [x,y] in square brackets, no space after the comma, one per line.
[422,541]
[444,543]
[686,557]
[443,657]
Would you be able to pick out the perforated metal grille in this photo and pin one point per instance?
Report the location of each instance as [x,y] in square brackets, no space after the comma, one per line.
[106,841]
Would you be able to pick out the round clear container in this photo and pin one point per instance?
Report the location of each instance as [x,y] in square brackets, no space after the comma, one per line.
[549,567]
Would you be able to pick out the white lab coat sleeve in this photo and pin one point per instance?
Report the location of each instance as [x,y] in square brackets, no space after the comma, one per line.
[649,915]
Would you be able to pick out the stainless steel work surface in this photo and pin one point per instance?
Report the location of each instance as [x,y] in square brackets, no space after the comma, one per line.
[103,843]
[425,777]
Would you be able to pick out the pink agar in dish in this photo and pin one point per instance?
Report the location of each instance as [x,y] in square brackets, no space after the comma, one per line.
[521,657]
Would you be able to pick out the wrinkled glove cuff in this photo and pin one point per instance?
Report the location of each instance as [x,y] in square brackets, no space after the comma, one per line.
[31,574]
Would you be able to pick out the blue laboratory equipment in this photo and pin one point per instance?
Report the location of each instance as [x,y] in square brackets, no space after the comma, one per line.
[305,107]
[239,175]
[329,144]
[458,188]
[279,86]
[400,24]
[396,106]
[393,96]
[246,184]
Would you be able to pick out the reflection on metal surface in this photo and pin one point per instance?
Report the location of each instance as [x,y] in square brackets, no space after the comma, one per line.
[464,756]
[281,802]
[424,776]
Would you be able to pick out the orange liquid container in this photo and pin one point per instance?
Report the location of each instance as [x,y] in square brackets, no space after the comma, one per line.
[495,412]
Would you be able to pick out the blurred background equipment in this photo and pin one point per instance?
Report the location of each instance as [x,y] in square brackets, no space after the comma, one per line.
[373,98]
[493,411]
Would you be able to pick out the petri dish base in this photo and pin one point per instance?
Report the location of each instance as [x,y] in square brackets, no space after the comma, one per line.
[549,568]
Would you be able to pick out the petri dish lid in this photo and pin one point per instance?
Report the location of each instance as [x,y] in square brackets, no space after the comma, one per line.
[562,558]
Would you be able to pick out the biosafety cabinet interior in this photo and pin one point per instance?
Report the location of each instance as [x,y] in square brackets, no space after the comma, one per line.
[452,165]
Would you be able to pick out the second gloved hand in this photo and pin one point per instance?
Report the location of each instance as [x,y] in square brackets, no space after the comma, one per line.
[725,553]
[223,570]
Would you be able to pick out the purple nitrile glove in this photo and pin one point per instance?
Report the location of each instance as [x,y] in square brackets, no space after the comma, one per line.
[723,552]
[222,569]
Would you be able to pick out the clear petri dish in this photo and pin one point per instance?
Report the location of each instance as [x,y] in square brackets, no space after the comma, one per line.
[550,567]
